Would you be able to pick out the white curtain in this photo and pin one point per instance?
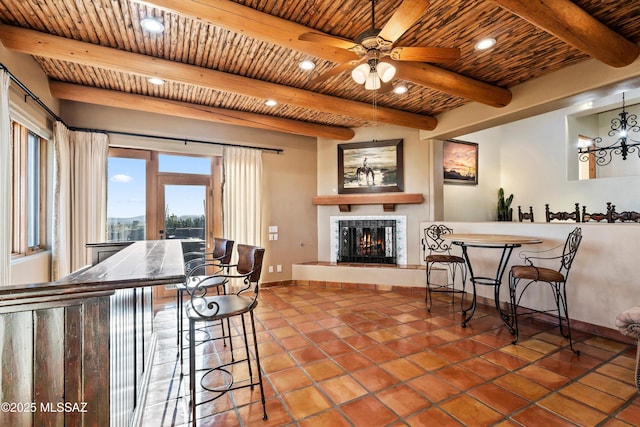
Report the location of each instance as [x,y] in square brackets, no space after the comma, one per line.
[5,181]
[80,197]
[242,195]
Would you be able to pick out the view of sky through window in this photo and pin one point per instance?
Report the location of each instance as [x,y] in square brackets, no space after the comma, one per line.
[184,164]
[126,195]
[126,188]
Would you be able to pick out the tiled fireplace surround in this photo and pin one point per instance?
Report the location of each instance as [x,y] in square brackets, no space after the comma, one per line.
[401,234]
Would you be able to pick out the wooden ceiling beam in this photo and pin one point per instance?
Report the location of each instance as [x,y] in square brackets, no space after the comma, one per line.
[263,26]
[59,48]
[112,98]
[573,25]
[251,23]
[455,84]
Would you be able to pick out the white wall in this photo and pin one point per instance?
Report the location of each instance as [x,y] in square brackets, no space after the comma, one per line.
[530,157]
[533,158]
[34,268]
[477,202]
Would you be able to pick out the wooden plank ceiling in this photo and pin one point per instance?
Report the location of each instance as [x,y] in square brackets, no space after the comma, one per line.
[221,59]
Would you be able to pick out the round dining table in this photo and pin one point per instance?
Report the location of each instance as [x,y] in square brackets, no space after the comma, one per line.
[504,242]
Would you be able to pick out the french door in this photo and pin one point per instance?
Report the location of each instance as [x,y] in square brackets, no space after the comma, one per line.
[184,207]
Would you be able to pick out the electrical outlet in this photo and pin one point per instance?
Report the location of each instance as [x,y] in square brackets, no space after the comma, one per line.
[275,236]
[271,269]
[279,268]
[273,229]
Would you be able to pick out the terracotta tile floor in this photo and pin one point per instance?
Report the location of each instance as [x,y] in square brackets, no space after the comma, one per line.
[342,357]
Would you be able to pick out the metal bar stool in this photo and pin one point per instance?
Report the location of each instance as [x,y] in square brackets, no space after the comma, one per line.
[203,308]
[438,251]
[220,259]
[531,274]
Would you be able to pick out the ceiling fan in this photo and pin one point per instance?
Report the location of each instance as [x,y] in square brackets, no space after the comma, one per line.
[375,44]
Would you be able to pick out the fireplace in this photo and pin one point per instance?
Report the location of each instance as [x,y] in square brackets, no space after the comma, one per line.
[370,244]
[367,241]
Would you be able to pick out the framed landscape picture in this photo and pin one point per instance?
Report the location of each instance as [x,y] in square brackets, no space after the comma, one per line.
[460,162]
[370,167]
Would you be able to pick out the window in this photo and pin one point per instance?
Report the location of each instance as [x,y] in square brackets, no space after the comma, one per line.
[127,195]
[29,166]
[184,164]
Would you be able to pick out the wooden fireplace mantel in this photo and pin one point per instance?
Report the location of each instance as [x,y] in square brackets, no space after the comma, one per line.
[387,200]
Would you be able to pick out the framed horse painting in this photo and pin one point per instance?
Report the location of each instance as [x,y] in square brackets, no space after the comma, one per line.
[370,167]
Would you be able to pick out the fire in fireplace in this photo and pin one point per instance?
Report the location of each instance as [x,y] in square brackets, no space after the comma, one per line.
[367,241]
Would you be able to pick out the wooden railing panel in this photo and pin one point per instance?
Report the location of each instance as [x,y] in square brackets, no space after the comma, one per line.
[96,362]
[16,388]
[73,361]
[48,366]
[60,342]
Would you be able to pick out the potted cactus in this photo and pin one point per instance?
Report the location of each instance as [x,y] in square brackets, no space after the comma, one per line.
[505,212]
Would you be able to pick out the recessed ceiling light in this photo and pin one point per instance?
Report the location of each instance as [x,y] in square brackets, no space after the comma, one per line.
[155,81]
[151,24]
[485,44]
[270,103]
[400,88]
[307,65]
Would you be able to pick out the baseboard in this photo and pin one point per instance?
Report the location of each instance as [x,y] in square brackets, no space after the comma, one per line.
[577,325]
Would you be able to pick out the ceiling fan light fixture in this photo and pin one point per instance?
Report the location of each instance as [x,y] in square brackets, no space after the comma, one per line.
[360,73]
[385,71]
[372,73]
[485,44]
[152,24]
[373,82]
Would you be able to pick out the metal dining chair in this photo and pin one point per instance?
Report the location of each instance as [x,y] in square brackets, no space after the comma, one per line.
[438,252]
[532,273]
[203,308]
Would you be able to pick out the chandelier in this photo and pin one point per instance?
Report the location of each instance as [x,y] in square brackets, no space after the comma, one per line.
[373,73]
[621,126]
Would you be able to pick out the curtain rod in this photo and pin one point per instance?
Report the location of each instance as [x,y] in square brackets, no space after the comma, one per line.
[171,138]
[31,94]
[44,106]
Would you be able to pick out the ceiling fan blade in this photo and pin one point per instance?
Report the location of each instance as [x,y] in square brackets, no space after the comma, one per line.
[333,72]
[425,54]
[403,18]
[327,40]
